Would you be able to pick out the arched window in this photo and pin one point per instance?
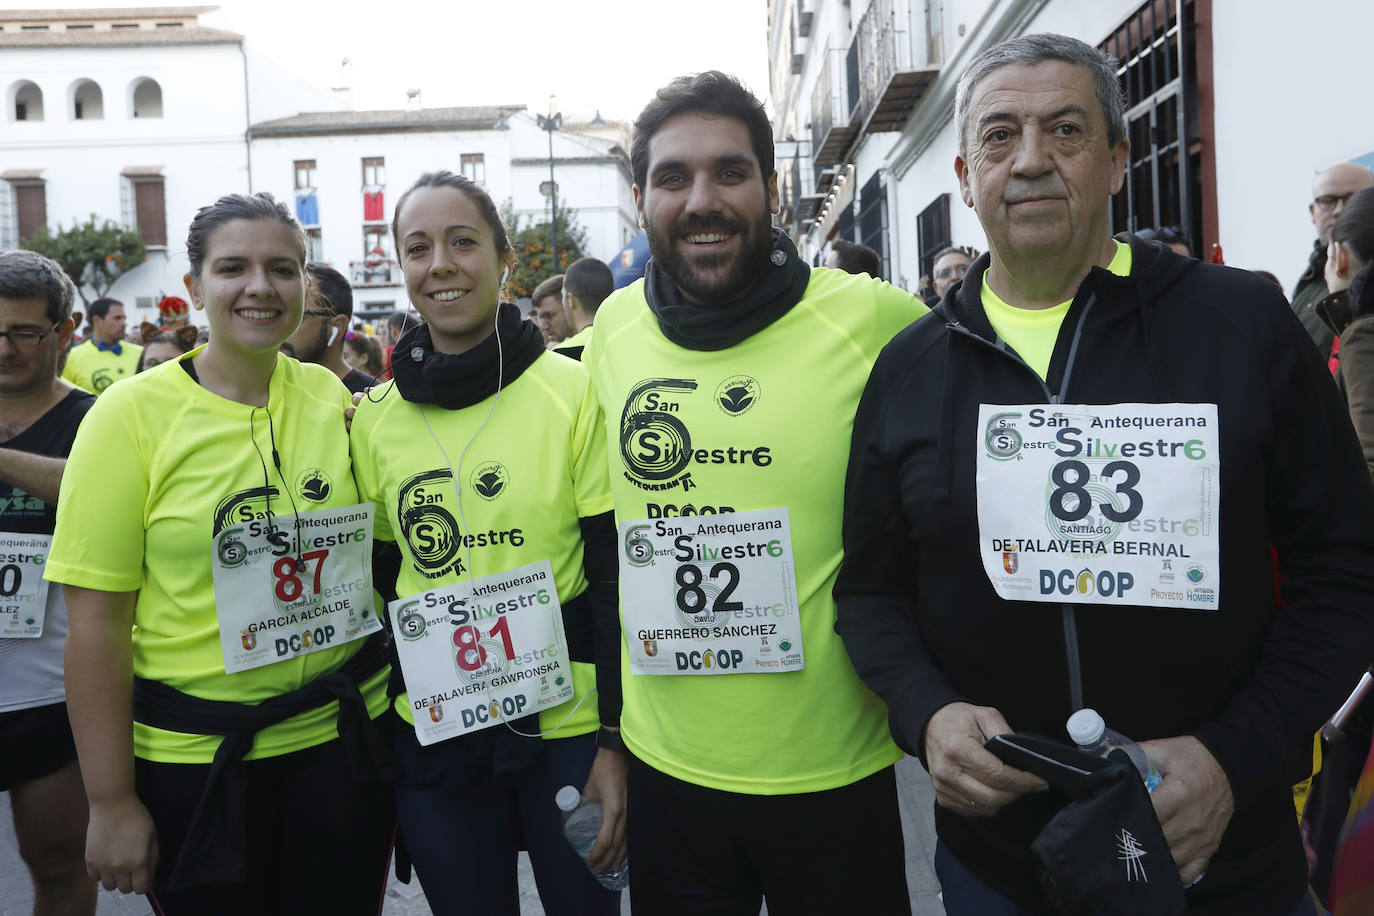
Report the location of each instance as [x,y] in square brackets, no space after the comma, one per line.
[88,102]
[26,102]
[145,98]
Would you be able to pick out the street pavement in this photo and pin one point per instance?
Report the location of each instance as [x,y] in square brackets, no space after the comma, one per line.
[913,785]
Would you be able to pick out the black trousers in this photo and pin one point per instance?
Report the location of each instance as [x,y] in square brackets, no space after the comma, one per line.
[697,851]
[318,842]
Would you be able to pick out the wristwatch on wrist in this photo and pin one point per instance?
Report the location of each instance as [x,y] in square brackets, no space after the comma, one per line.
[610,740]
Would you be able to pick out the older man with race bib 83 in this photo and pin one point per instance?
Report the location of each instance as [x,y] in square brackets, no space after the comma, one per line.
[1062,493]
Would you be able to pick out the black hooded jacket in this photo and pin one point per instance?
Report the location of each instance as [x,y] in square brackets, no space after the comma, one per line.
[924,627]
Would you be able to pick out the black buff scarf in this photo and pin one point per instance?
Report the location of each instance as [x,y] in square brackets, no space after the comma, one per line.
[719,327]
[424,376]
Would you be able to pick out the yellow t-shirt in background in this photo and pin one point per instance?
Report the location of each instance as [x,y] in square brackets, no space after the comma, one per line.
[94,370]
[1032,332]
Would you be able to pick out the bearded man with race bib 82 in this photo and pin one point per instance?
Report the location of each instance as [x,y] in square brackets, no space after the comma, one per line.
[1062,493]
[729,376]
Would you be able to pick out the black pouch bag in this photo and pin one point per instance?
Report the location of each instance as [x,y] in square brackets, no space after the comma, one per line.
[1104,853]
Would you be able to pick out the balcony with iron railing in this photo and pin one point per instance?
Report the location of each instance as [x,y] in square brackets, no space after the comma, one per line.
[374,271]
[894,73]
[834,121]
[796,182]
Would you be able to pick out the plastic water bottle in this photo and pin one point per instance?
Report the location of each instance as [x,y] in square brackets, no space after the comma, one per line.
[1090,733]
[581,824]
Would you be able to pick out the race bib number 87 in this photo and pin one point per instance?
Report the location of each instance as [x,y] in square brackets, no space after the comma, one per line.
[1100,504]
[280,597]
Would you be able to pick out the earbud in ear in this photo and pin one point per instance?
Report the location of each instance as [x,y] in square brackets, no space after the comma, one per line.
[333,335]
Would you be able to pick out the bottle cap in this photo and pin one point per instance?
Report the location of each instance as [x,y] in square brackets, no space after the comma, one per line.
[1086,727]
[567,799]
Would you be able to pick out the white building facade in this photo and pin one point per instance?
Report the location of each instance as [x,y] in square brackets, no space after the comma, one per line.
[343,172]
[1225,141]
[142,116]
[140,120]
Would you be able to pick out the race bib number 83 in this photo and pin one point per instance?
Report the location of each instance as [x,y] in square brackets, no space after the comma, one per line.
[1100,504]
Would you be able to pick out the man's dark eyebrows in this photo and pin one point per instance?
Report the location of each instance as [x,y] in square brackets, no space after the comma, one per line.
[1058,113]
[677,165]
[667,165]
[996,117]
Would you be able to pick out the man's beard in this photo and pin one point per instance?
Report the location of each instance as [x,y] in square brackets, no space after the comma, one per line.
[709,287]
[313,352]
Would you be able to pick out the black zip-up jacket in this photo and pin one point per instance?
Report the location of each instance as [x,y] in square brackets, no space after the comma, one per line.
[924,627]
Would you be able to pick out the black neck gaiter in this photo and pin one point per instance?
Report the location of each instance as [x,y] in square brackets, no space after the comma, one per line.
[719,327]
[424,376]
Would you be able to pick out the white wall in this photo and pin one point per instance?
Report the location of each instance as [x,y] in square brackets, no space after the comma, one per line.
[1279,120]
[339,178]
[198,142]
[274,93]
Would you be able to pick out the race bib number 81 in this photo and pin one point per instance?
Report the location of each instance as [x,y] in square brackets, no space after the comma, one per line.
[1100,504]
[478,653]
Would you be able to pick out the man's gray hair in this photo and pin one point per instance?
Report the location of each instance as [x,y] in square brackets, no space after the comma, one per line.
[1028,50]
[29,275]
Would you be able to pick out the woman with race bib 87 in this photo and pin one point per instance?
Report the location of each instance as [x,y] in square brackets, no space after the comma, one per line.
[221,683]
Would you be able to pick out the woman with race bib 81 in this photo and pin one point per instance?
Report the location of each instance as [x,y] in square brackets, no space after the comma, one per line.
[221,680]
[487,463]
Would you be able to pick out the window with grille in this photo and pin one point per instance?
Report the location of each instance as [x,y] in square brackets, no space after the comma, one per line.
[1156,50]
[873,220]
[305,174]
[932,232]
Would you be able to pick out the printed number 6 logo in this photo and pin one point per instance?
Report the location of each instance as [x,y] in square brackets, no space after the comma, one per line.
[639,550]
[411,623]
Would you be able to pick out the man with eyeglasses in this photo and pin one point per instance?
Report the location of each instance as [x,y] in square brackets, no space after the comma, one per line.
[105,357]
[1330,190]
[324,324]
[39,415]
[948,268]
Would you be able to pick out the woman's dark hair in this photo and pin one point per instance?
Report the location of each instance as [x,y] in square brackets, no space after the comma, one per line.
[1355,230]
[1355,226]
[229,208]
[711,93]
[475,193]
[184,339]
[371,349]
